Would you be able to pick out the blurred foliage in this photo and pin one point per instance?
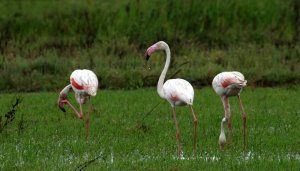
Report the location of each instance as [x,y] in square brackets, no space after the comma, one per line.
[41,42]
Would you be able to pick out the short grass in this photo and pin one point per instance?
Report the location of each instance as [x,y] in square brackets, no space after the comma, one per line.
[122,137]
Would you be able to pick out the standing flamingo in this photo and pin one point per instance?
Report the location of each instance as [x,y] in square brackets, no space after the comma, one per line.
[177,92]
[85,84]
[228,84]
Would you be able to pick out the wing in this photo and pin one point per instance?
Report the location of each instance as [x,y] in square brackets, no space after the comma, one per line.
[231,79]
[236,79]
[85,80]
[225,82]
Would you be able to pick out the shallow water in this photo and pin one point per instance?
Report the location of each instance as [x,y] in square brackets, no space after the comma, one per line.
[70,158]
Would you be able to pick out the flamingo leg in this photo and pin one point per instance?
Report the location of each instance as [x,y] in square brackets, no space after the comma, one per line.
[227,115]
[177,131]
[79,115]
[244,117]
[195,126]
[87,121]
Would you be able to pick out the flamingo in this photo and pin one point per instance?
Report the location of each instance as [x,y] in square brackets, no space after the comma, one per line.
[177,92]
[228,84]
[85,84]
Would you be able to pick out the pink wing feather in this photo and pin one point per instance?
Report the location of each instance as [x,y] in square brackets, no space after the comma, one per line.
[228,81]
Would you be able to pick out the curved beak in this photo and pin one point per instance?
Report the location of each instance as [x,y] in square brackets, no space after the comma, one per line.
[62,109]
[147,56]
[61,105]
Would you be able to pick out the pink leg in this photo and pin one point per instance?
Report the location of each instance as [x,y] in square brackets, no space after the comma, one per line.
[177,131]
[195,126]
[244,117]
[87,121]
[80,107]
[227,115]
[80,115]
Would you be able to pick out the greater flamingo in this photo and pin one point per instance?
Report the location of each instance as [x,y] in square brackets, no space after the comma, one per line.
[177,92]
[85,84]
[228,84]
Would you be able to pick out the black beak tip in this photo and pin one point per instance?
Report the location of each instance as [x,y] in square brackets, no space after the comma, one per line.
[147,57]
[62,109]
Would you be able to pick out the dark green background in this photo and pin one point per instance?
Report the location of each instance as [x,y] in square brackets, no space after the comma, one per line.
[42,42]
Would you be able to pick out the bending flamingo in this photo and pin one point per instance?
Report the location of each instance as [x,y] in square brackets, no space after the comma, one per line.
[177,92]
[85,84]
[228,84]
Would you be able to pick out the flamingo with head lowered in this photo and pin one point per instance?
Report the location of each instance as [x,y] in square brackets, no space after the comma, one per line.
[85,84]
[228,84]
[177,92]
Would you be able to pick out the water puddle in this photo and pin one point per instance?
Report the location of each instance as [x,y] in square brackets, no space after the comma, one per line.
[110,157]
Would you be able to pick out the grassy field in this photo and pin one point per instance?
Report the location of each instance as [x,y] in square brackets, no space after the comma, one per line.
[42,42]
[122,137]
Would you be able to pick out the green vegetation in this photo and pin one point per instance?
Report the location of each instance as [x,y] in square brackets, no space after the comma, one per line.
[41,42]
[121,138]
[10,115]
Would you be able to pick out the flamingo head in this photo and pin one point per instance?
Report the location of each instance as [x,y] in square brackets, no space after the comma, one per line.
[161,45]
[150,51]
[61,102]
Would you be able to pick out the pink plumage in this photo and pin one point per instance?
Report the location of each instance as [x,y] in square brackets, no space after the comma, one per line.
[178,92]
[228,84]
[85,84]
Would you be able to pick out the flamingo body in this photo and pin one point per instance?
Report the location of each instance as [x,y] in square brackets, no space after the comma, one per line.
[177,92]
[227,84]
[85,84]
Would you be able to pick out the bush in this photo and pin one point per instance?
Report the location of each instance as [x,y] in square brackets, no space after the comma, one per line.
[42,42]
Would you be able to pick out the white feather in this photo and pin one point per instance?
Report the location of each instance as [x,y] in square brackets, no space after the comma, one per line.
[234,82]
[86,79]
[180,89]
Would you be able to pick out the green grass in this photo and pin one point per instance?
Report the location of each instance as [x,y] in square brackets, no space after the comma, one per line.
[44,138]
